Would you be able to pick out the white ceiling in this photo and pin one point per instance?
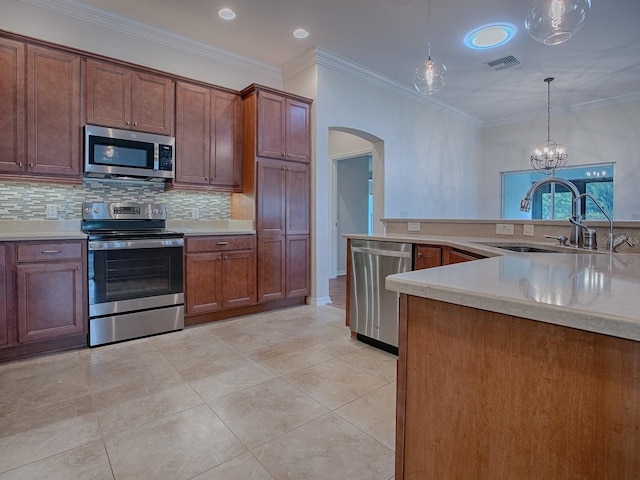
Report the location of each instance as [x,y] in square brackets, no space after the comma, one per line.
[600,63]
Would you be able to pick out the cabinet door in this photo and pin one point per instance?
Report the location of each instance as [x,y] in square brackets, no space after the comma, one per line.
[456,256]
[50,300]
[226,163]
[271,197]
[12,106]
[239,274]
[192,134]
[427,257]
[4,297]
[152,103]
[271,267]
[203,282]
[297,273]
[297,199]
[53,112]
[297,131]
[108,94]
[271,125]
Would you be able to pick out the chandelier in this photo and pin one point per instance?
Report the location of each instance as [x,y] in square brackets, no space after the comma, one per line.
[430,76]
[555,21]
[548,156]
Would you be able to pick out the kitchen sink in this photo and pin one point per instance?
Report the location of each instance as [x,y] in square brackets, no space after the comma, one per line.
[524,248]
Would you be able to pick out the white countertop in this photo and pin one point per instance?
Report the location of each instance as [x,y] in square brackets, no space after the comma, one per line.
[595,292]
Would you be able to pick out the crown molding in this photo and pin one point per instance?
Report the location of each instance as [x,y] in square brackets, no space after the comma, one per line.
[319,56]
[151,33]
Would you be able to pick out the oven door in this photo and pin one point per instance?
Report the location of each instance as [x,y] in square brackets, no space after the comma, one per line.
[134,274]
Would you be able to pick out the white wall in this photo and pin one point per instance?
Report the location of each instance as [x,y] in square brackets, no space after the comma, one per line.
[607,134]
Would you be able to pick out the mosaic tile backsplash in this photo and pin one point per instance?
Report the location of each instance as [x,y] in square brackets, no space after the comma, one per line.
[28,201]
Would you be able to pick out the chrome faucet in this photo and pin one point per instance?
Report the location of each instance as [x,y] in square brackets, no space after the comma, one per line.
[578,223]
[525,204]
[619,241]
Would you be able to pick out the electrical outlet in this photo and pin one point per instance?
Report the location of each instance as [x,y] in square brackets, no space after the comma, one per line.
[52,211]
[505,229]
[528,231]
[413,226]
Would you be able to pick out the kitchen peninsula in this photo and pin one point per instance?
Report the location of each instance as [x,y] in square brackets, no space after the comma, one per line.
[520,366]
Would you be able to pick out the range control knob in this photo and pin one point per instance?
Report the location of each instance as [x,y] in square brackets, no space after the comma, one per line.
[155,211]
[96,210]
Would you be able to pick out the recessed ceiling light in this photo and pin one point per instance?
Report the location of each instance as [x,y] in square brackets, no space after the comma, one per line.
[490,36]
[300,33]
[226,14]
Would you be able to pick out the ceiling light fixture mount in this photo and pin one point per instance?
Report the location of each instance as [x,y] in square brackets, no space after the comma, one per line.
[548,156]
[226,14]
[555,21]
[430,76]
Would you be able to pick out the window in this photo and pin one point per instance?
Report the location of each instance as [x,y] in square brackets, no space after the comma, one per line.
[553,201]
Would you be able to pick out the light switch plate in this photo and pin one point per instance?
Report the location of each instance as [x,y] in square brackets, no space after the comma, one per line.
[528,230]
[413,226]
[505,229]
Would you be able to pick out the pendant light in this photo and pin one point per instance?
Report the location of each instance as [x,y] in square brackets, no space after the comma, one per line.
[430,76]
[555,21]
[548,156]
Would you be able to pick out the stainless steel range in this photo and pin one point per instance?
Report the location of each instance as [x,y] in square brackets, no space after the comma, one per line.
[136,271]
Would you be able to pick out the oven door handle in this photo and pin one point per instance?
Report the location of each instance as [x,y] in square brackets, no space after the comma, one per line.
[135,244]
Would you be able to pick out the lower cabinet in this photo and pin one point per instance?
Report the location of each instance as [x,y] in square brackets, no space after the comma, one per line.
[429,256]
[220,273]
[43,292]
[283,267]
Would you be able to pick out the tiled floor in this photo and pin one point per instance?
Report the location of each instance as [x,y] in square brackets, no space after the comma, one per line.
[282,395]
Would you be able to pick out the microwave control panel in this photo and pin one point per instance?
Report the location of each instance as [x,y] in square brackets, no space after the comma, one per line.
[165,157]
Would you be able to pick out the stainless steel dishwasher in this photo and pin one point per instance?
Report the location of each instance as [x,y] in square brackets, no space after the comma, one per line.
[373,311]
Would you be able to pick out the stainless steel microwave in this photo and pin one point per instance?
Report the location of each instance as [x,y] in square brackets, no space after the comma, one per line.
[114,153]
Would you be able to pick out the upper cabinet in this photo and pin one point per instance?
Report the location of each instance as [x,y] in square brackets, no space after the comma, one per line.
[282,126]
[208,143]
[43,139]
[120,97]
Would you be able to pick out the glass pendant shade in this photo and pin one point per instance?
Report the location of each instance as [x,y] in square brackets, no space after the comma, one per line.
[430,77]
[555,21]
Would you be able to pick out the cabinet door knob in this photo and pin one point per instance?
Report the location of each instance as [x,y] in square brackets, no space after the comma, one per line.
[20,164]
[31,165]
[128,122]
[135,124]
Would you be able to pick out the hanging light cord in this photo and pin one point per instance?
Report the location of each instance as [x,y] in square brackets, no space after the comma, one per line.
[429,28]
[548,80]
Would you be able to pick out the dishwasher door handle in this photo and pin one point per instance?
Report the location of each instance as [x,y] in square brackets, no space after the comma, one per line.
[381,253]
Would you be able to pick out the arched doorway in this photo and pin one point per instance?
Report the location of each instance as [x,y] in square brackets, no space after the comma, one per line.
[357,186]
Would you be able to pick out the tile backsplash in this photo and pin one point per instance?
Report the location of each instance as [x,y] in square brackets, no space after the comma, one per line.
[28,201]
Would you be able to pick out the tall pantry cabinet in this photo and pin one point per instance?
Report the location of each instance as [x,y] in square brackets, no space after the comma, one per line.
[276,153]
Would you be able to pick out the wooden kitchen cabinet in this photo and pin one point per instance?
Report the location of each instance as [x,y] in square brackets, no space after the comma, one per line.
[282,223]
[50,290]
[4,299]
[220,273]
[427,256]
[47,81]
[453,255]
[208,139]
[120,97]
[282,127]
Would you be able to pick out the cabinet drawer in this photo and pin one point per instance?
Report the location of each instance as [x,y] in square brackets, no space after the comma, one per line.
[30,252]
[220,243]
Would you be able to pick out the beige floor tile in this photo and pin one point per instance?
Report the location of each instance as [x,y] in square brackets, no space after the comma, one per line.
[248,339]
[335,342]
[30,435]
[243,467]
[266,411]
[326,448]
[288,357]
[140,369]
[179,446]
[374,414]
[186,353]
[223,377]
[374,361]
[116,351]
[334,383]
[129,406]
[88,462]
[34,366]
[43,389]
